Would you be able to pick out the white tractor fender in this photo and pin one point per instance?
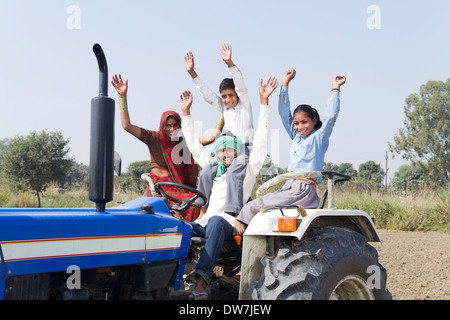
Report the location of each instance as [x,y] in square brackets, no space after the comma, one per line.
[356,220]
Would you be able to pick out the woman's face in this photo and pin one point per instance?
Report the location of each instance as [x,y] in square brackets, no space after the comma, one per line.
[303,124]
[171,127]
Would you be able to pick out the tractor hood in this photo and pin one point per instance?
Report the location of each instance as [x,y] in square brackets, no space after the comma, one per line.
[50,240]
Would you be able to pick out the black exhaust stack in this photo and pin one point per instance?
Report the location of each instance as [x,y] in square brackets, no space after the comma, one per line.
[101,178]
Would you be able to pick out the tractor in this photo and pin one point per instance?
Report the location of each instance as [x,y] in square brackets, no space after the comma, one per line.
[138,250]
[133,251]
[292,253]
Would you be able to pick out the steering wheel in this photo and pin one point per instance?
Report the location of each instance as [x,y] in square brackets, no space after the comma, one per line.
[180,205]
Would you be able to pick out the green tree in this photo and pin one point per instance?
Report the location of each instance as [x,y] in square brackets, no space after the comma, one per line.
[31,163]
[409,176]
[370,172]
[78,175]
[330,166]
[132,178]
[426,135]
[345,168]
[3,149]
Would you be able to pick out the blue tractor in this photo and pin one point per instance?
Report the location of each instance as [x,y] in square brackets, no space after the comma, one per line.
[133,251]
[138,250]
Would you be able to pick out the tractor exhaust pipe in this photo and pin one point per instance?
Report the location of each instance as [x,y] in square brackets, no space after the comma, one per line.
[103,68]
[101,177]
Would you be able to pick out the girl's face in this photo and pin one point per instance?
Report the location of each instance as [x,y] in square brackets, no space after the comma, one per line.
[303,124]
[171,127]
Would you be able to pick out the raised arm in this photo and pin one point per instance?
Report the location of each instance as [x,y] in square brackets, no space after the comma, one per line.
[208,95]
[259,150]
[238,79]
[226,55]
[190,65]
[284,106]
[200,155]
[206,140]
[122,89]
[333,106]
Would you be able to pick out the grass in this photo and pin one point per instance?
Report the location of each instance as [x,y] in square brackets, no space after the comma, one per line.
[422,210]
[55,198]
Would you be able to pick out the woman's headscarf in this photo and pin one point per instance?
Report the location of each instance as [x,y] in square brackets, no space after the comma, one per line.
[183,173]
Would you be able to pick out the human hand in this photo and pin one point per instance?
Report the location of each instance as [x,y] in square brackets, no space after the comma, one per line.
[119,85]
[189,62]
[288,76]
[186,102]
[266,90]
[338,81]
[226,55]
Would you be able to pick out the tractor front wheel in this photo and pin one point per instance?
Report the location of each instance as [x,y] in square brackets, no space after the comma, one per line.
[327,263]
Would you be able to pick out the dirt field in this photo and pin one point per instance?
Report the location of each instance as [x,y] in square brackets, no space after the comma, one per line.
[417,264]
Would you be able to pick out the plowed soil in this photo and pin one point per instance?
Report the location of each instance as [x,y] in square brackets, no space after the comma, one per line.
[417,264]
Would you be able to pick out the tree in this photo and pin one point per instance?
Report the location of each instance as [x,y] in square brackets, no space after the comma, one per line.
[131,180]
[370,172]
[347,168]
[3,149]
[409,176]
[344,168]
[426,134]
[31,163]
[78,175]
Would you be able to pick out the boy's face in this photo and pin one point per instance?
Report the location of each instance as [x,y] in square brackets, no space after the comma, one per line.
[229,98]
[227,155]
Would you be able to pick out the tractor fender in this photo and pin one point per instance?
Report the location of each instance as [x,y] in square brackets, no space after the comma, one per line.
[259,238]
[356,220]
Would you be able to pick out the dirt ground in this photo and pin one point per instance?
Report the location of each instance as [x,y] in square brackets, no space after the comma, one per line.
[417,264]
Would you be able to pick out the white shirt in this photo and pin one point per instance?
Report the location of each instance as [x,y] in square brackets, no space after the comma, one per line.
[203,158]
[238,120]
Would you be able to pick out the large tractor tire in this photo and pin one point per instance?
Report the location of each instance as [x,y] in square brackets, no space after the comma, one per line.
[327,263]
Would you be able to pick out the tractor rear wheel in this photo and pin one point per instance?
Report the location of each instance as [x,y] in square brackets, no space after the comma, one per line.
[327,263]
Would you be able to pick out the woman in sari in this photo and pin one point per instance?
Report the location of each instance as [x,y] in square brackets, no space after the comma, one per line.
[168,162]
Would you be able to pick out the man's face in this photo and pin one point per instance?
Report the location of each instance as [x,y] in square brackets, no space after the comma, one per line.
[226,155]
[229,98]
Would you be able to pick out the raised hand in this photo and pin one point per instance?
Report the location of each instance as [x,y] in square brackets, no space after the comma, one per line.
[189,62]
[226,54]
[119,85]
[266,90]
[186,102]
[338,81]
[288,76]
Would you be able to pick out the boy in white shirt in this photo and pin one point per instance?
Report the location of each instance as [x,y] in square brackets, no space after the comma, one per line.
[215,225]
[235,106]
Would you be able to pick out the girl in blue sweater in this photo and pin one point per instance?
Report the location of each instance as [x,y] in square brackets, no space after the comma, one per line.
[310,139]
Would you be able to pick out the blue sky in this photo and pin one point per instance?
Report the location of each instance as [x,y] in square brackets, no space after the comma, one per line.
[48,73]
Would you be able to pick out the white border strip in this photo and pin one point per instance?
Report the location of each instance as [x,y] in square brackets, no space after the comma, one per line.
[61,248]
